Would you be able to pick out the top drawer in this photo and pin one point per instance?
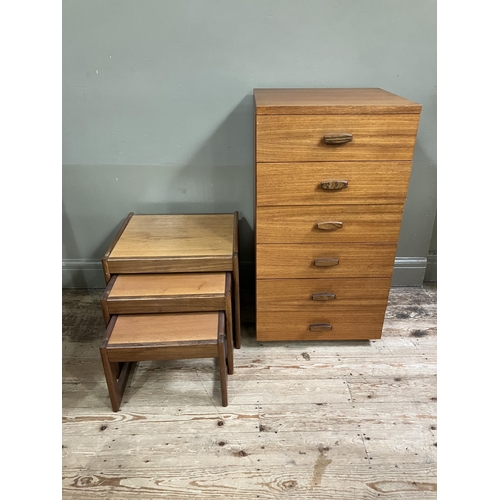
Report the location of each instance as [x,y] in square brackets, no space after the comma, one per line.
[291,138]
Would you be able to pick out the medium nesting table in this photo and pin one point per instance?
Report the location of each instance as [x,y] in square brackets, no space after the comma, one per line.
[165,267]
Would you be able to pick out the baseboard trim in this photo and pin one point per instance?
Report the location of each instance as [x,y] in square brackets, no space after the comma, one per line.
[408,271]
[82,273]
[431,270]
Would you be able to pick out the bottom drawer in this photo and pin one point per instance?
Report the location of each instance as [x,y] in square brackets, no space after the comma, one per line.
[341,324]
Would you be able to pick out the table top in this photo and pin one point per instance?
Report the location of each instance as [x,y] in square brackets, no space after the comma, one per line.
[176,236]
[174,243]
[165,328]
[168,285]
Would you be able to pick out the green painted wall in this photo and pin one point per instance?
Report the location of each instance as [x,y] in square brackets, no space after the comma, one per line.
[158,108]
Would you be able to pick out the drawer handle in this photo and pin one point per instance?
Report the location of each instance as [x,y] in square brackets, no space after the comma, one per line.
[326,262]
[333,185]
[329,226]
[323,296]
[337,138]
[320,327]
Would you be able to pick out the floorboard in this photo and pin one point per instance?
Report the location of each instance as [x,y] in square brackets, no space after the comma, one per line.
[311,420]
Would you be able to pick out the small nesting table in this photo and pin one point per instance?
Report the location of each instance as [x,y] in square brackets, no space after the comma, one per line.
[148,337]
[165,264]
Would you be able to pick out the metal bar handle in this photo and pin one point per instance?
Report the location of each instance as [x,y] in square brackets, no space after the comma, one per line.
[337,138]
[320,327]
[323,296]
[329,225]
[333,185]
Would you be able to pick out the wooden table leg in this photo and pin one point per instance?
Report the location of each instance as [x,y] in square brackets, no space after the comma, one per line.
[236,302]
[222,347]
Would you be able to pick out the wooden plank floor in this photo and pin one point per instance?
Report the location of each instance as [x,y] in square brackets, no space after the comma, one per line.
[334,420]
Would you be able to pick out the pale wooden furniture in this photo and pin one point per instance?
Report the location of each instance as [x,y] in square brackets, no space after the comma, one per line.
[331,178]
[165,293]
[170,279]
[171,243]
[146,337]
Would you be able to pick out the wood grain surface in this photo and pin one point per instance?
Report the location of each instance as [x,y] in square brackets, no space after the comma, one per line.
[189,235]
[297,260]
[160,352]
[358,224]
[346,324]
[178,304]
[285,138]
[165,285]
[161,293]
[164,328]
[336,101]
[193,264]
[369,183]
[296,294]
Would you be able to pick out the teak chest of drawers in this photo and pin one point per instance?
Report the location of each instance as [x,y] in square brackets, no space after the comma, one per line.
[331,178]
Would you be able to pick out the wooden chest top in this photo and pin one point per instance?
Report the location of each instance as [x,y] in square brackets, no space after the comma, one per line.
[331,101]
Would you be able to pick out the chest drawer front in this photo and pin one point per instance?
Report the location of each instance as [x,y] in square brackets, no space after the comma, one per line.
[368,183]
[327,224]
[322,295]
[332,260]
[305,325]
[293,138]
